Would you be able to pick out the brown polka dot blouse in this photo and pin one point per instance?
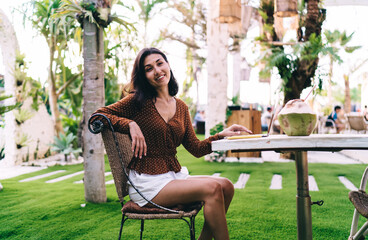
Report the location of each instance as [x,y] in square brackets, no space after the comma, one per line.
[162,138]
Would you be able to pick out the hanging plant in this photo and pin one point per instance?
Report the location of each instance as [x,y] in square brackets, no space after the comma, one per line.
[27,86]
[4,109]
[22,141]
[99,15]
[22,115]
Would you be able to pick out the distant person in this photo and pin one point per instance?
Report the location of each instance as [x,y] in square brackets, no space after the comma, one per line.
[199,122]
[199,117]
[334,116]
[266,119]
[365,113]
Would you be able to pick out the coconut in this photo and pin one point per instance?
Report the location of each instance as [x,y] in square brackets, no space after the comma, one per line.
[297,118]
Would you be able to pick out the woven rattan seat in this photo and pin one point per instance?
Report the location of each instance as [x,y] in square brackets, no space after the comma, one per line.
[116,142]
[360,201]
[134,211]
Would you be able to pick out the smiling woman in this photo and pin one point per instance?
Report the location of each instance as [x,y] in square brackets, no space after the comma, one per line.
[157,71]
[158,123]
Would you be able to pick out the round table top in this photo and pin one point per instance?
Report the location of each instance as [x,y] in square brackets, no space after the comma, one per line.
[314,142]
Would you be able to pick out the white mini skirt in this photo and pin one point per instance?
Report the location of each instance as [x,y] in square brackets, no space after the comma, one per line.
[151,185]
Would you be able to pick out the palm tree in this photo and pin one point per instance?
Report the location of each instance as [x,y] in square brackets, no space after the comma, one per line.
[93,98]
[93,15]
[352,70]
[147,13]
[56,35]
[297,69]
[337,41]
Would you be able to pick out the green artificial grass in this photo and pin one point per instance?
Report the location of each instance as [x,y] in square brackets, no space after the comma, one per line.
[39,210]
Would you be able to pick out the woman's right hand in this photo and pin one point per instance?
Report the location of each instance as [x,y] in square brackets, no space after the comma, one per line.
[139,146]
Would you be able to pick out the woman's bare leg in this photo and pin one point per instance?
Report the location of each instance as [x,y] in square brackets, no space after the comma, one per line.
[194,189]
[228,192]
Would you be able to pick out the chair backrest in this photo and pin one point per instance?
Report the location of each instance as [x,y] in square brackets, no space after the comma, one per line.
[125,144]
[357,122]
[326,125]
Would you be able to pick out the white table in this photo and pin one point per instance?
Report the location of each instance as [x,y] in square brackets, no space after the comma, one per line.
[300,145]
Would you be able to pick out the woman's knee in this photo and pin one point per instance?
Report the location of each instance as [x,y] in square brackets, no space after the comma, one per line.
[214,189]
[227,187]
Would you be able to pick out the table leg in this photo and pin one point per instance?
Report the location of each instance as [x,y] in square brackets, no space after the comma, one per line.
[303,200]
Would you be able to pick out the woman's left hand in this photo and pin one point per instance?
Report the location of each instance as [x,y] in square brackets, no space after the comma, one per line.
[234,130]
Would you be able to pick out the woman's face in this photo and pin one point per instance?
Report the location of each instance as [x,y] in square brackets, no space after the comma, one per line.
[157,70]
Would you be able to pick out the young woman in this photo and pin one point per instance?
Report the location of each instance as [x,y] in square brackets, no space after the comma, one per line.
[158,123]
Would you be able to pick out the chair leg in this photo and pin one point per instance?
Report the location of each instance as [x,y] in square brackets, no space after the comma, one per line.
[142,228]
[121,226]
[192,228]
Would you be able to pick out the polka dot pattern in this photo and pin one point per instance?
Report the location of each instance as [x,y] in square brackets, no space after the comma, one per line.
[162,138]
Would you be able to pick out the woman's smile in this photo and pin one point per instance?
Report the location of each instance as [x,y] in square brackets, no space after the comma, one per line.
[157,70]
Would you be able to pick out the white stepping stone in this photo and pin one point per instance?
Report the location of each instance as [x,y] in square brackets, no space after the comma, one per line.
[41,176]
[312,184]
[276,182]
[250,160]
[216,175]
[349,185]
[65,177]
[242,180]
[81,181]
[110,182]
[231,159]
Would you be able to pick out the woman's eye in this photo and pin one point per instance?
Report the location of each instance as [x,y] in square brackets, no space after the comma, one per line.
[148,69]
[159,63]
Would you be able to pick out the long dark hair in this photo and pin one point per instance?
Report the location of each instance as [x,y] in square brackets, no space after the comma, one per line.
[142,89]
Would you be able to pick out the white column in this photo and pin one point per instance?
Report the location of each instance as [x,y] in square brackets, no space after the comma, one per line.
[236,72]
[9,46]
[217,41]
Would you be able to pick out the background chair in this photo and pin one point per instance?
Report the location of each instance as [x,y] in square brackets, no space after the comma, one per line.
[326,125]
[360,201]
[118,149]
[357,123]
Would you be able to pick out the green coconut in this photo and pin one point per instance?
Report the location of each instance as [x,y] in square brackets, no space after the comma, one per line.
[297,118]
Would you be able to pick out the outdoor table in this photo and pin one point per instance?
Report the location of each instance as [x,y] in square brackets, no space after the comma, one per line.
[300,145]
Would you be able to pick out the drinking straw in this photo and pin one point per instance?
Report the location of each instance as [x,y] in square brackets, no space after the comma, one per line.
[310,92]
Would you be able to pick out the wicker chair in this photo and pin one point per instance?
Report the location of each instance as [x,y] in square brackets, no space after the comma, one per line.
[357,123]
[118,149]
[360,201]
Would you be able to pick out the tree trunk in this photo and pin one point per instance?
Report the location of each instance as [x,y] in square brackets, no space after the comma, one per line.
[236,72]
[217,41]
[93,98]
[9,47]
[301,78]
[347,103]
[329,83]
[53,97]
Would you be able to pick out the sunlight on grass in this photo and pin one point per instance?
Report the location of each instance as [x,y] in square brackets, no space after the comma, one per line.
[39,210]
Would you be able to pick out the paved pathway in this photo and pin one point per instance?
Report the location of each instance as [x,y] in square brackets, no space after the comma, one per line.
[275,181]
[343,157]
[9,172]
[42,176]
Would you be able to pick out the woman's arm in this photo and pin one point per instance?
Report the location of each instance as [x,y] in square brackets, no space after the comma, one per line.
[200,148]
[119,113]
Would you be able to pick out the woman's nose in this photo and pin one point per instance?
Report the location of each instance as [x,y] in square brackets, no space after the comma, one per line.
[156,70]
